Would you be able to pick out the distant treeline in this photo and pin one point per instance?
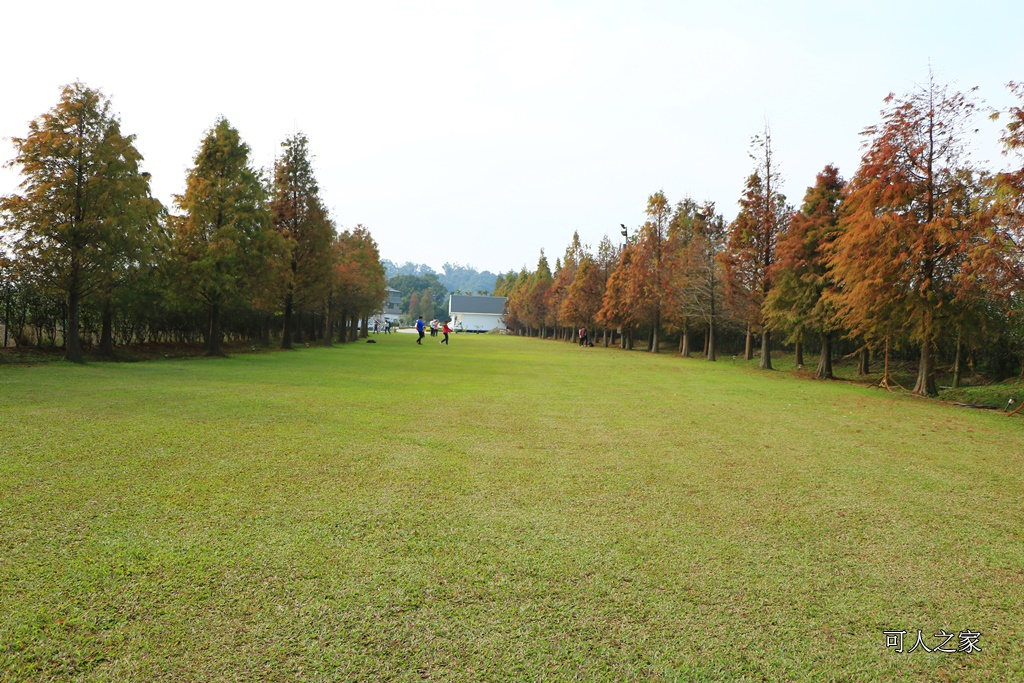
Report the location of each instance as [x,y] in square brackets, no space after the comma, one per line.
[919,254]
[88,258]
[456,278]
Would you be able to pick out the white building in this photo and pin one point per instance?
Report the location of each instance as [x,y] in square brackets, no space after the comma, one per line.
[476,313]
[393,306]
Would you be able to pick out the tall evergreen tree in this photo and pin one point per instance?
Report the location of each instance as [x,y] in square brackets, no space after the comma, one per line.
[565,272]
[695,285]
[606,260]
[85,210]
[653,235]
[535,305]
[753,237]
[797,303]
[224,239]
[302,220]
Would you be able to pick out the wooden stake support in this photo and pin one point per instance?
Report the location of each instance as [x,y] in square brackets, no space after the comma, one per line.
[885,375]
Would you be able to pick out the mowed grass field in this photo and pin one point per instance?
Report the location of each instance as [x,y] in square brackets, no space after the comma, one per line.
[503,509]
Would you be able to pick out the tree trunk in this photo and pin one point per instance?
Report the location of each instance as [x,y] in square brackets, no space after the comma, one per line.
[864,366]
[956,363]
[926,372]
[107,329]
[684,340]
[799,353]
[328,332]
[655,342]
[297,335]
[286,336]
[265,329]
[73,352]
[824,370]
[7,314]
[710,354]
[748,354]
[213,333]
[366,328]
[342,329]
[766,350]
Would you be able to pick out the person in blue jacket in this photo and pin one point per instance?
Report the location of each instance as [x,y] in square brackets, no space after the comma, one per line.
[419,331]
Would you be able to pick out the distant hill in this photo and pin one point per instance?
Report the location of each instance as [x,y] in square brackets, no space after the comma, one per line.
[456,277]
[392,269]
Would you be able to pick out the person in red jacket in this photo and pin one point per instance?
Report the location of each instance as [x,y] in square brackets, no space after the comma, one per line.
[446,329]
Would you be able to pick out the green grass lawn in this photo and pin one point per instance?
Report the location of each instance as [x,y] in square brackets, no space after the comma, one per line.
[503,509]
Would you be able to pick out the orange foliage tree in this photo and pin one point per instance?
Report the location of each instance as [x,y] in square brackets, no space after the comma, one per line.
[535,297]
[694,280]
[1003,255]
[565,272]
[649,267]
[359,285]
[585,294]
[907,224]
[753,237]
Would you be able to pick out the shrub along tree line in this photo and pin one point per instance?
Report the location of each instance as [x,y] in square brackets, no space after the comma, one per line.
[89,257]
[918,256]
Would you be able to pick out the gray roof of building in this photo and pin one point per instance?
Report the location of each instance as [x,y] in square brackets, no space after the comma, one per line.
[477,304]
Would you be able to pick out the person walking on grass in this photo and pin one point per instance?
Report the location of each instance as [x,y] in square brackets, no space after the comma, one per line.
[445,330]
[583,336]
[419,331]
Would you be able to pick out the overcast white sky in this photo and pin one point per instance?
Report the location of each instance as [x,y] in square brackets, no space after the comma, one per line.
[481,132]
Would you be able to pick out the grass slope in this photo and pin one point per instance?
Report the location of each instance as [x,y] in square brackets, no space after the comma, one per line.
[504,509]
